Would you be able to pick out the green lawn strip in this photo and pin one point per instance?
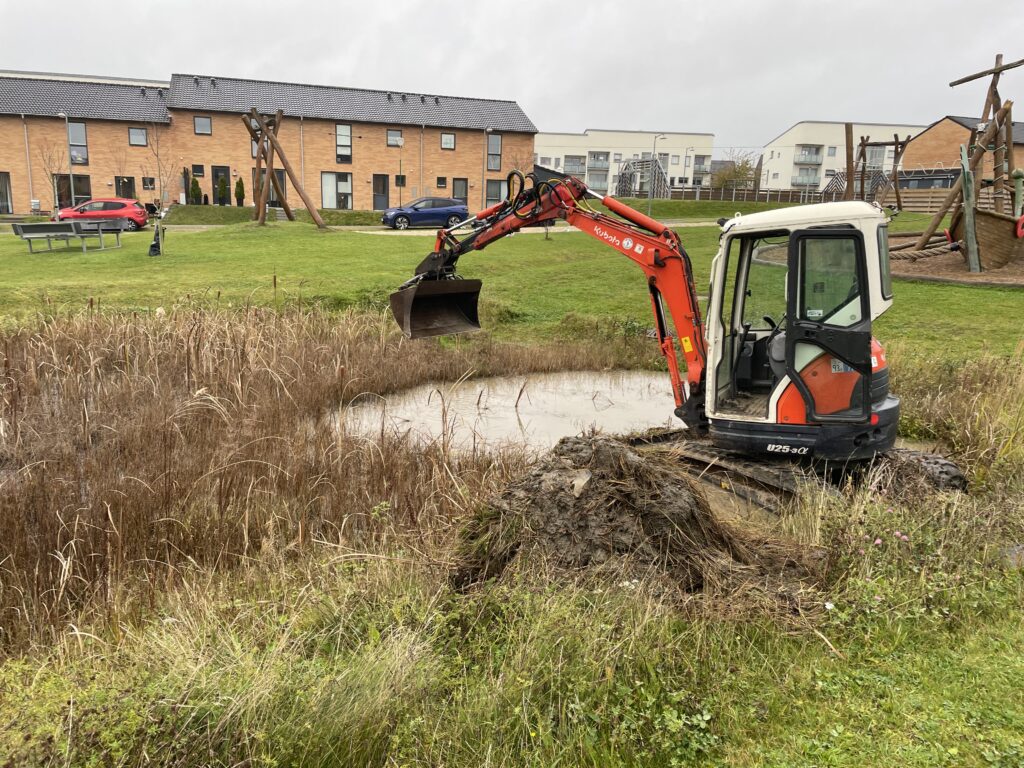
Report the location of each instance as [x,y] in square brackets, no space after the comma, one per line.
[899,697]
[531,283]
[207,214]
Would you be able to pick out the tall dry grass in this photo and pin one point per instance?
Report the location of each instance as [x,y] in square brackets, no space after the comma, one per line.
[134,446]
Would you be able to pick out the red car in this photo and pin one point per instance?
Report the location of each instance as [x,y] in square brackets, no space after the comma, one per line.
[108,208]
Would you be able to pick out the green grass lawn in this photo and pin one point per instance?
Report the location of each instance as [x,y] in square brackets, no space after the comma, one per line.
[531,283]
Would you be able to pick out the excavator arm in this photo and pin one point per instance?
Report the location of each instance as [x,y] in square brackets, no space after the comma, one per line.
[438,301]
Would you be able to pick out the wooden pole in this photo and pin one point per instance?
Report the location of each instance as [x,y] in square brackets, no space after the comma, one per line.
[273,179]
[259,165]
[261,217]
[995,70]
[257,181]
[901,146]
[970,235]
[848,193]
[955,190]
[313,212]
[862,158]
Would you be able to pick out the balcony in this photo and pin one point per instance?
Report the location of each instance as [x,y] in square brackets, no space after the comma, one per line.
[808,158]
[597,165]
[806,181]
[574,169]
[702,169]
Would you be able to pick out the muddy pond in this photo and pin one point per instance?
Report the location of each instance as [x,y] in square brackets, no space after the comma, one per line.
[533,410]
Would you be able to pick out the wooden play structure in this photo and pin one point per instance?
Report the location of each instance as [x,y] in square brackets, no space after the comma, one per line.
[264,129]
[989,239]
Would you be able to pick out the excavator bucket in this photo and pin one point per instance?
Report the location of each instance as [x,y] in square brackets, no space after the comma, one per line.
[437,307]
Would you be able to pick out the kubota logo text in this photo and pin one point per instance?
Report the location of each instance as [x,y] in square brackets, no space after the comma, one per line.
[606,235]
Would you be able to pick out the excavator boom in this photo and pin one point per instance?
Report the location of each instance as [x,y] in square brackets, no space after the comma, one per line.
[437,301]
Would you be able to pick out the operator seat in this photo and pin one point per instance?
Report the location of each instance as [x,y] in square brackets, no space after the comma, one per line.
[777,355]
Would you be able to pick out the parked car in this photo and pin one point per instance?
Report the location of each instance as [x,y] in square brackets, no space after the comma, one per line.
[426,211]
[108,208]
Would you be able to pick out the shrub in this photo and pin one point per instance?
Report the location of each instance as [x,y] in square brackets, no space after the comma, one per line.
[239,192]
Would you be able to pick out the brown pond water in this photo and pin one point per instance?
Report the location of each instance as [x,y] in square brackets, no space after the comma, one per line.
[535,410]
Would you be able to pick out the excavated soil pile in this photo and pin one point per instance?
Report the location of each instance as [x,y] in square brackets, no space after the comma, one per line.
[594,503]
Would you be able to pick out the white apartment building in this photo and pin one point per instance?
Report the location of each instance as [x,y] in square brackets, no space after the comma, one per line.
[597,155]
[810,153]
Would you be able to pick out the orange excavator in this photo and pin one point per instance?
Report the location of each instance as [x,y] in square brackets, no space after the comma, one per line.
[783,365]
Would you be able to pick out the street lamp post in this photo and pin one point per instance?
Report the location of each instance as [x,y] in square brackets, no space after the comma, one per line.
[71,175]
[650,172]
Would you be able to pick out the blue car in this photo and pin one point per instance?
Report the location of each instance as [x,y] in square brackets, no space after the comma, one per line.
[426,212]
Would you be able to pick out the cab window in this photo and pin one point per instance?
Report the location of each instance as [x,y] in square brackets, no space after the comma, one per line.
[883,262]
[830,289]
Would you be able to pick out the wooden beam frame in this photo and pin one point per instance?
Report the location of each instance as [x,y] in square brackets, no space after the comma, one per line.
[955,192]
[276,146]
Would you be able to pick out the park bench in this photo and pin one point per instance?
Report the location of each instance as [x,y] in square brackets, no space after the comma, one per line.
[65,231]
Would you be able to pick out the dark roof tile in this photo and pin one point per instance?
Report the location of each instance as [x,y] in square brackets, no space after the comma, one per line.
[224,94]
[82,99]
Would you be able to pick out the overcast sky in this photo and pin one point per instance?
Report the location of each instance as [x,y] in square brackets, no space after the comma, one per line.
[744,71]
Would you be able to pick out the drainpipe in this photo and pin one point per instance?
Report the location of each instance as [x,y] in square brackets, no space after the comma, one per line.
[483,172]
[302,155]
[423,127]
[28,165]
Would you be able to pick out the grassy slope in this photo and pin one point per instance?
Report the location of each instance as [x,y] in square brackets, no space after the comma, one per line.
[531,283]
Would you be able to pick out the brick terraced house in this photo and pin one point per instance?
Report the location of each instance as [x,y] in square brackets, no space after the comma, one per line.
[932,158]
[351,148]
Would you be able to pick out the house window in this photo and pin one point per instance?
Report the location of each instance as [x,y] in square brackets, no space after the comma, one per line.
[78,144]
[558,162]
[343,143]
[198,171]
[6,203]
[399,179]
[830,172]
[545,161]
[442,182]
[395,137]
[203,126]
[617,157]
[775,176]
[576,164]
[771,156]
[148,182]
[831,151]
[83,189]
[447,141]
[124,186]
[496,191]
[137,137]
[675,159]
[336,190]
[252,145]
[494,152]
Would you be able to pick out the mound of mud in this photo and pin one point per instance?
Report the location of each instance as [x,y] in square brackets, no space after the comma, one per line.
[594,502]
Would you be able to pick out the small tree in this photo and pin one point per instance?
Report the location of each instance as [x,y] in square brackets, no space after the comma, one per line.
[222,191]
[195,193]
[737,172]
[239,192]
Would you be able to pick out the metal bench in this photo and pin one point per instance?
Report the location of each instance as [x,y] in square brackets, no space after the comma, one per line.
[66,230]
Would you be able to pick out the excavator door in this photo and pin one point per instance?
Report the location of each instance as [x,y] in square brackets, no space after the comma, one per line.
[437,307]
[828,325]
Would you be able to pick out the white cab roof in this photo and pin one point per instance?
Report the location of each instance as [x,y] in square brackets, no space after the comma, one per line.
[796,216]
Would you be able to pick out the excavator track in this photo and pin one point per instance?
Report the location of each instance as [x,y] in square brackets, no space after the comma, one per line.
[767,484]
[771,483]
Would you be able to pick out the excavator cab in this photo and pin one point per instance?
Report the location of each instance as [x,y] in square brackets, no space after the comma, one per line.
[426,307]
[794,367]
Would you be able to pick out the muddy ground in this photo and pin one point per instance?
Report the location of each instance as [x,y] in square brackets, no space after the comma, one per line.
[594,505]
